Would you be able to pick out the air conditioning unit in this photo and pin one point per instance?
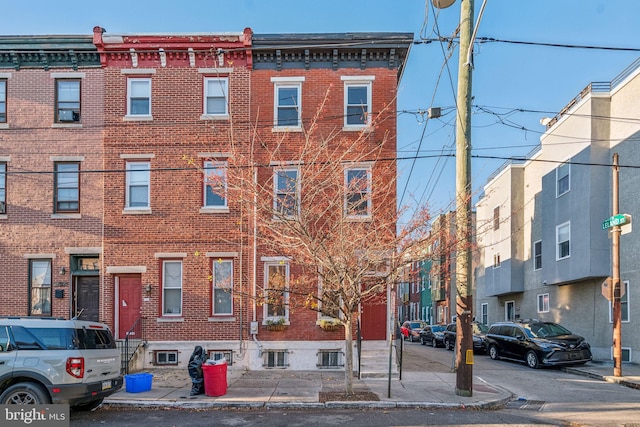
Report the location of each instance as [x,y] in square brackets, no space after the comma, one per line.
[67,116]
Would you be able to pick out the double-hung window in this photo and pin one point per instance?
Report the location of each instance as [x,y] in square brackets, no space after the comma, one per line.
[3,100]
[40,287]
[67,101]
[138,185]
[222,284]
[563,240]
[543,303]
[357,101]
[537,255]
[3,188]
[138,96]
[286,195]
[171,288]
[215,184]
[288,102]
[66,187]
[357,202]
[563,179]
[276,290]
[216,92]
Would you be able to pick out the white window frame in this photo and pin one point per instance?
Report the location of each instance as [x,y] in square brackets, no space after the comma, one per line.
[219,286]
[543,303]
[137,168]
[367,193]
[219,170]
[559,229]
[353,82]
[330,355]
[168,286]
[560,176]
[278,192]
[276,354]
[130,81]
[221,85]
[537,255]
[496,260]
[484,313]
[624,304]
[68,106]
[287,83]
[40,287]
[508,304]
[268,313]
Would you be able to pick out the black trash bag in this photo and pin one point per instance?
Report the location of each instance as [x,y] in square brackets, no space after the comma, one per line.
[198,357]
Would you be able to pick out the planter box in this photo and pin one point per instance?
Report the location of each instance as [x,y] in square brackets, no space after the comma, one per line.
[276,327]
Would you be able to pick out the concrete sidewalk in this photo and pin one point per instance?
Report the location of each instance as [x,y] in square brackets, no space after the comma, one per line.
[302,389]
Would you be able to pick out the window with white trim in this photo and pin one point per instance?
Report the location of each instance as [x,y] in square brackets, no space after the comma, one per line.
[3,100]
[563,241]
[67,101]
[40,287]
[537,255]
[221,354]
[563,179]
[275,359]
[215,184]
[484,313]
[357,201]
[543,303]
[216,92]
[165,357]
[138,191]
[287,102]
[222,286]
[171,288]
[330,359]
[357,101]
[138,96]
[276,291]
[624,303]
[286,201]
[66,183]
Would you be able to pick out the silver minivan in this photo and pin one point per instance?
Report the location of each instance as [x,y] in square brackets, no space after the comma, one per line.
[52,360]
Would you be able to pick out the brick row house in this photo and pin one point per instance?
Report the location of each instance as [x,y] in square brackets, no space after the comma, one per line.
[164,246]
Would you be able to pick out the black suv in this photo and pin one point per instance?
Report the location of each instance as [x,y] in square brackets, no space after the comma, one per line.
[537,343]
[479,330]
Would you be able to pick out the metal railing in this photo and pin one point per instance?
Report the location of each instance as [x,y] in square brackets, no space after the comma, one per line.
[134,338]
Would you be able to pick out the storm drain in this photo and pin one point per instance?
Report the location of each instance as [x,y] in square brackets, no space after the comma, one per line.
[528,405]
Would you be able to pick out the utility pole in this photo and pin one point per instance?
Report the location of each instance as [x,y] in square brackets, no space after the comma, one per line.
[615,249]
[464,344]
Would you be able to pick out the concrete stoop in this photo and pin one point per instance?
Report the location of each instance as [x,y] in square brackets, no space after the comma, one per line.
[374,361]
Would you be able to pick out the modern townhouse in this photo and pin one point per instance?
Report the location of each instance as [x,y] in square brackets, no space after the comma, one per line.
[51,120]
[544,252]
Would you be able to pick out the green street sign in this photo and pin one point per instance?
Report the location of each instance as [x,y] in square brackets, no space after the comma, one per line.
[620,219]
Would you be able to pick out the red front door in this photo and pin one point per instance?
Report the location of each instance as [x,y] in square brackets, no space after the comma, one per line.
[373,321]
[129,303]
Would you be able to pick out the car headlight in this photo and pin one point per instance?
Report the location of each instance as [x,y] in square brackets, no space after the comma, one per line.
[549,346]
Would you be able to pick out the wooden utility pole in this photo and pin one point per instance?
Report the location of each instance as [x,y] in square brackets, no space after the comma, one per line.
[615,251]
[464,342]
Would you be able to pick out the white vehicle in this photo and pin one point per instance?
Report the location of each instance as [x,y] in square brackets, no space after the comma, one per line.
[49,360]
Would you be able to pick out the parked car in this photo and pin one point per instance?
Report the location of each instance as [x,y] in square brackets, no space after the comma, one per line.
[432,335]
[479,331]
[537,344]
[413,329]
[47,360]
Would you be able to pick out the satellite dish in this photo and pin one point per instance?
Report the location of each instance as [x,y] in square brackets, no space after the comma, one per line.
[442,4]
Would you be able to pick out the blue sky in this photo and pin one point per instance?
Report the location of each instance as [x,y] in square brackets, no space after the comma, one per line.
[514,85]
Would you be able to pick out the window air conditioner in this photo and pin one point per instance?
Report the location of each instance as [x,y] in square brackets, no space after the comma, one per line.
[67,116]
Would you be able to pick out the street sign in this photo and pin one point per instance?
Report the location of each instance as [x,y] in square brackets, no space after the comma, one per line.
[620,219]
[607,289]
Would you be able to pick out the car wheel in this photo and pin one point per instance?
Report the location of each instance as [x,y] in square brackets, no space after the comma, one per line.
[434,343]
[25,394]
[87,406]
[532,359]
[493,352]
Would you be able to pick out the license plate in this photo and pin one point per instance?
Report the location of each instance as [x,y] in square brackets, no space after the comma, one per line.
[106,385]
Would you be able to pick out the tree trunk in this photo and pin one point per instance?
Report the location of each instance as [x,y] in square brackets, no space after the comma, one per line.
[348,356]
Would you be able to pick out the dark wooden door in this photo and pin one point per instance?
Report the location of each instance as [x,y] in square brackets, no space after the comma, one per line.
[129,304]
[87,298]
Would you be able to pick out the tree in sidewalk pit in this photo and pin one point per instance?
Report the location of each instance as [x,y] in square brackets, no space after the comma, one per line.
[323,206]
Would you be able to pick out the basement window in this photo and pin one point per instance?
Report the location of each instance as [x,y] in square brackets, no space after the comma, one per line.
[276,359]
[330,359]
[221,354]
[165,357]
